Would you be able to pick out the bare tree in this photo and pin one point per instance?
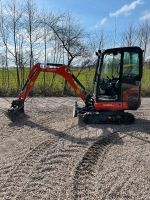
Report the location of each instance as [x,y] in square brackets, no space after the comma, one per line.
[71,36]
[57,55]
[21,61]
[101,40]
[4,37]
[129,37]
[15,25]
[144,37]
[10,25]
[33,32]
[45,48]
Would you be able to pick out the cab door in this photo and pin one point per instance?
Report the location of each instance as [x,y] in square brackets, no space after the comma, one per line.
[131,77]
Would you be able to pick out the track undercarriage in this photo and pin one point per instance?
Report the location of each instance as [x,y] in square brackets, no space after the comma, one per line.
[91,116]
[110,117]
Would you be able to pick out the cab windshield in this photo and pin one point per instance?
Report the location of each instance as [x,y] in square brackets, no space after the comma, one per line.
[111,66]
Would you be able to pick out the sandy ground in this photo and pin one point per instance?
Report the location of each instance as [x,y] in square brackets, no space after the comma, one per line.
[47,155]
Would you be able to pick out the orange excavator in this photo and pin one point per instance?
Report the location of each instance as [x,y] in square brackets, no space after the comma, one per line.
[116,87]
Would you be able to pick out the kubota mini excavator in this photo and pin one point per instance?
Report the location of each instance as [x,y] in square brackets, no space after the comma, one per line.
[117,86]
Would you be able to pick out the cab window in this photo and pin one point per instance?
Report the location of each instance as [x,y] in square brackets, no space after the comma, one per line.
[131,64]
[111,65]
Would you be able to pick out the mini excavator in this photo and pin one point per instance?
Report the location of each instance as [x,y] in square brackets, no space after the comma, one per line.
[116,87]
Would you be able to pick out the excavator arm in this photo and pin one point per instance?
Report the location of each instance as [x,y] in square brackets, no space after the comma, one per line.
[60,69]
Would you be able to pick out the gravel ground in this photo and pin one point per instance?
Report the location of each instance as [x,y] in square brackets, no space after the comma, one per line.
[48,155]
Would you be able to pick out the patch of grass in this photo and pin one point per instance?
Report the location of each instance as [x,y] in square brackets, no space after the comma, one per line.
[50,84]
[146,81]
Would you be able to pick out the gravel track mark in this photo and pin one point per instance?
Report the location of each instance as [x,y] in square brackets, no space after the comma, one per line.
[85,172]
[48,177]
[125,181]
[20,173]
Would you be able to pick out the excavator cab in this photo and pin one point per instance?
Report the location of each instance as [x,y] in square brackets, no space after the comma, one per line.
[118,77]
[117,86]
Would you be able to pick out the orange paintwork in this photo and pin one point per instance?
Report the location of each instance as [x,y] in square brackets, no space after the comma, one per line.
[130,92]
[111,105]
[62,70]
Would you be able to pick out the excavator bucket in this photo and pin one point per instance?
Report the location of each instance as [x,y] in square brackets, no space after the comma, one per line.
[17,108]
